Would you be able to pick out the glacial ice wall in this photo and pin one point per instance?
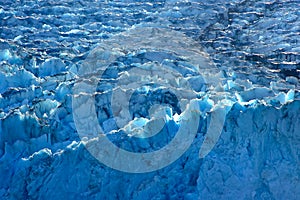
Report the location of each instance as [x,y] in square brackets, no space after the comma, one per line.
[253,46]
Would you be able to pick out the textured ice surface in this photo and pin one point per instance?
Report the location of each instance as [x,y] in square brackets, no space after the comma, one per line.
[254,45]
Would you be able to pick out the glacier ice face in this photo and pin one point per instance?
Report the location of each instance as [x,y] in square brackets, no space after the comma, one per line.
[254,48]
[256,158]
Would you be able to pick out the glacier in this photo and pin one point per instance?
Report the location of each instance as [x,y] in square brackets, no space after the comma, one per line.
[250,58]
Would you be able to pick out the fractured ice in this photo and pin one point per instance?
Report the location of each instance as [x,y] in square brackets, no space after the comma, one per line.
[253,45]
